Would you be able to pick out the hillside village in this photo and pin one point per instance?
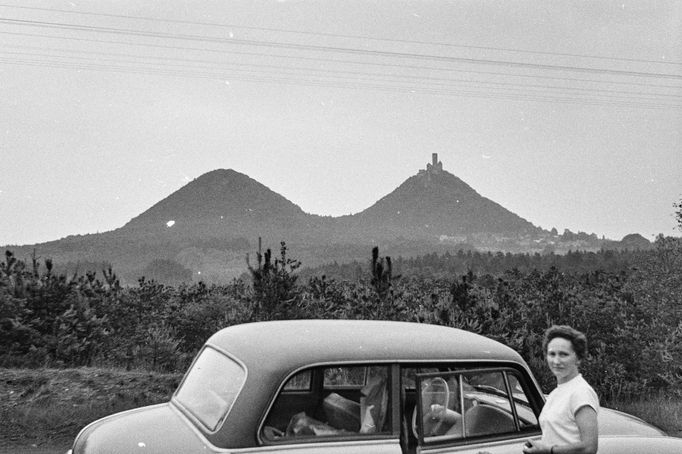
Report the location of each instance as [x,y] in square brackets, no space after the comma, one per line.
[539,241]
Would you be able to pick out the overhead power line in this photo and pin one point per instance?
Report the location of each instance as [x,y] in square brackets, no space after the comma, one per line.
[344,36]
[335,49]
[212,64]
[384,70]
[278,78]
[372,63]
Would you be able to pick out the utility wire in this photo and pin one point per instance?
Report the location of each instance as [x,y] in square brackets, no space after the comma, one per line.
[260,77]
[633,98]
[333,49]
[331,73]
[342,61]
[344,36]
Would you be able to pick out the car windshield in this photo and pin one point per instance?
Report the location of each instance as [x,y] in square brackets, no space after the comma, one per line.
[210,387]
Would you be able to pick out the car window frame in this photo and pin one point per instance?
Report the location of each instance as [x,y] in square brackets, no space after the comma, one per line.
[393,405]
[524,379]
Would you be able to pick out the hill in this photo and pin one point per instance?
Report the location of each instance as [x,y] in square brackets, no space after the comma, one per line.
[435,203]
[209,225]
[219,204]
[226,204]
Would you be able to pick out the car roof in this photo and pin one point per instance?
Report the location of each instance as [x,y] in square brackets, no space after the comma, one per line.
[272,351]
[292,344]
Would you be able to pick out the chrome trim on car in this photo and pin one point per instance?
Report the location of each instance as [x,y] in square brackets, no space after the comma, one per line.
[365,442]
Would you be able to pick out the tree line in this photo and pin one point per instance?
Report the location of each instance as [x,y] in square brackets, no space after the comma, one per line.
[628,305]
[447,264]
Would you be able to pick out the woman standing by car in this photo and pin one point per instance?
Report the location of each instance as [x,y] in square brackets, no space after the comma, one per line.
[569,418]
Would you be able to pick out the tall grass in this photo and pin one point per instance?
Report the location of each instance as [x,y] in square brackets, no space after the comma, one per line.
[47,407]
[663,411]
[50,406]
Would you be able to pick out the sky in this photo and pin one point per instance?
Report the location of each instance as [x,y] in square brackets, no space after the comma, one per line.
[567,113]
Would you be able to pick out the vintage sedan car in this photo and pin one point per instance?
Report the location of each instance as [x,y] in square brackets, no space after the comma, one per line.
[342,386]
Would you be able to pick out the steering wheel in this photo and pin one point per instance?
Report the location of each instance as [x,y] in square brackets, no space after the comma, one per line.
[435,397]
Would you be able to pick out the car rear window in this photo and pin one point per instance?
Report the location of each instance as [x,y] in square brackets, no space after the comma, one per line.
[210,387]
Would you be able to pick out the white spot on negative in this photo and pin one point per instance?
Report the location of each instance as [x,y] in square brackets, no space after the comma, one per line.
[170,223]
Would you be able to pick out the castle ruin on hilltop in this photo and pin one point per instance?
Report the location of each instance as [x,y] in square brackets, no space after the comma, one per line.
[435,167]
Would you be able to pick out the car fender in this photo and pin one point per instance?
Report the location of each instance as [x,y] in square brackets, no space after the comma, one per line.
[636,444]
[156,429]
[614,422]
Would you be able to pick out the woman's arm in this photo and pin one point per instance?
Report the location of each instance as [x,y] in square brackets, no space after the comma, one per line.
[586,418]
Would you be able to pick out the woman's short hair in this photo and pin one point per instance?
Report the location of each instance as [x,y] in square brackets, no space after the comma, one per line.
[577,339]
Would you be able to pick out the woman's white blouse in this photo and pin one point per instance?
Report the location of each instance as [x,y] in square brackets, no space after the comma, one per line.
[557,419]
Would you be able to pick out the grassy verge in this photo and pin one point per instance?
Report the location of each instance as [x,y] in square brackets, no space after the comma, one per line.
[663,411]
[47,407]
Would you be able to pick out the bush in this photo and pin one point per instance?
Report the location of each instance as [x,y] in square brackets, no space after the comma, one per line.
[627,314]
[274,286]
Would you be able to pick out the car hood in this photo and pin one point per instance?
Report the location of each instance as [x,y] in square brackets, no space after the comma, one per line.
[614,422]
[149,430]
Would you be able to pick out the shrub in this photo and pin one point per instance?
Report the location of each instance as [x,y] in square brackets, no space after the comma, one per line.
[627,314]
[274,286]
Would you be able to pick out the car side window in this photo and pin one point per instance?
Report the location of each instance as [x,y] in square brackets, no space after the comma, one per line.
[461,405]
[339,401]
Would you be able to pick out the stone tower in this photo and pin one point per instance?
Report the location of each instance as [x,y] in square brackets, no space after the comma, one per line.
[436,166]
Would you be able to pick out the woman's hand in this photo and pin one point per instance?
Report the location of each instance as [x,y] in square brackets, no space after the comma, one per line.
[536,447]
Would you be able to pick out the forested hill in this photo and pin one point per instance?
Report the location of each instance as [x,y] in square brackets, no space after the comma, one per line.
[437,203]
[220,203]
[225,204]
[207,227]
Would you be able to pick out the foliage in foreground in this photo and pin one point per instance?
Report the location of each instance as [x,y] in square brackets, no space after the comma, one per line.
[632,317]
